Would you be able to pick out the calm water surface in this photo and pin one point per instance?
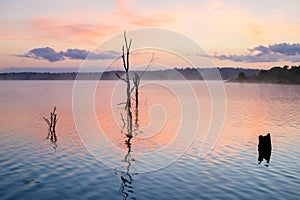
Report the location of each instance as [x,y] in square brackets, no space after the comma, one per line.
[32,167]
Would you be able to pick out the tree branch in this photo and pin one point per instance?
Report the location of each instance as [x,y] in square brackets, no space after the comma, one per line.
[120,77]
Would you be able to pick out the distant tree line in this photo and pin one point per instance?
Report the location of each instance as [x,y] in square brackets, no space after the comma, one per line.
[285,74]
[168,74]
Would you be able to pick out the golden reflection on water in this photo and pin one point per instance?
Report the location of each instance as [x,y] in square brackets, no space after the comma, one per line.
[252,110]
[158,117]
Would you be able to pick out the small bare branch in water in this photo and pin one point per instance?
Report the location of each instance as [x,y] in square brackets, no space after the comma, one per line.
[120,77]
[52,124]
[47,120]
[151,62]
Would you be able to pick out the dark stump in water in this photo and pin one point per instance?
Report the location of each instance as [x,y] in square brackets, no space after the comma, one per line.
[264,148]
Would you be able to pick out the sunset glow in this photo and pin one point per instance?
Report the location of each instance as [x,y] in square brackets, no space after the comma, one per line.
[225,29]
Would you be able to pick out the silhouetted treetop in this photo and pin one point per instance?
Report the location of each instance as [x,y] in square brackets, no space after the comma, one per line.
[285,74]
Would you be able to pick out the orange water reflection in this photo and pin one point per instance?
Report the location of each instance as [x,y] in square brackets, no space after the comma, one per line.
[252,110]
[158,117]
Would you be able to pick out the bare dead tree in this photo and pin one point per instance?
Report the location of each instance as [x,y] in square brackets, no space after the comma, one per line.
[137,80]
[52,124]
[126,65]
[126,187]
[53,119]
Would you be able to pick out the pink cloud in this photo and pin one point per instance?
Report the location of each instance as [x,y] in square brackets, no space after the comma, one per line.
[157,20]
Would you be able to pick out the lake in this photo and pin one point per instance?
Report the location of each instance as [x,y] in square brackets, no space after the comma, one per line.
[81,165]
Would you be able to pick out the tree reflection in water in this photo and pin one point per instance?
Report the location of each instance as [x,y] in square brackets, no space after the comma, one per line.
[126,187]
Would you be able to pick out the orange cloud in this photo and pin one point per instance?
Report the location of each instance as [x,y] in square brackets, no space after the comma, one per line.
[159,20]
[47,29]
[72,32]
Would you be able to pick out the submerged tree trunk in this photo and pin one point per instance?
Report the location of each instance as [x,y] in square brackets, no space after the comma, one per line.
[125,59]
[136,81]
[264,148]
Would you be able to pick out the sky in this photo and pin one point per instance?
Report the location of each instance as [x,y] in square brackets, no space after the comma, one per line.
[59,35]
